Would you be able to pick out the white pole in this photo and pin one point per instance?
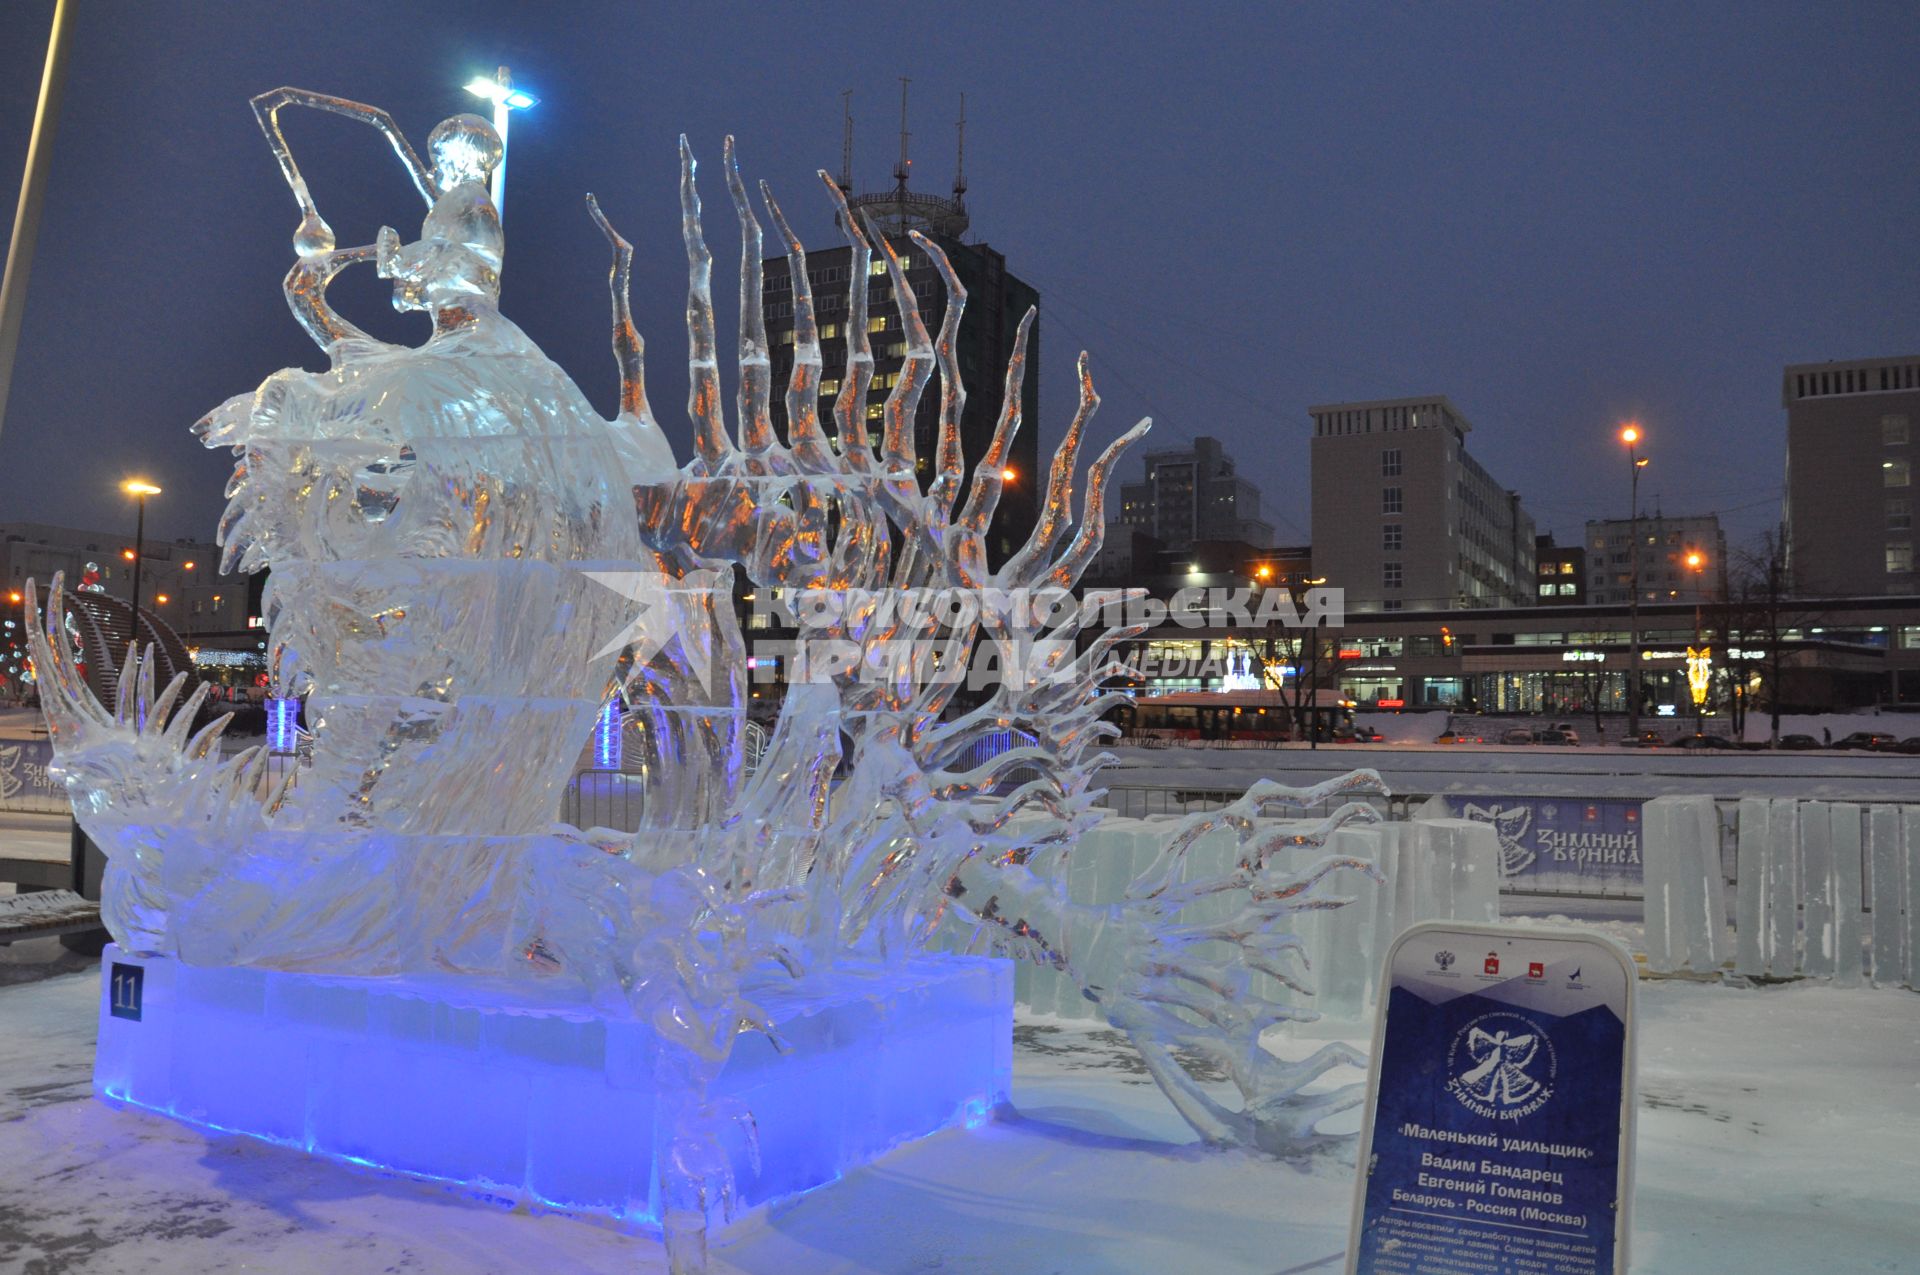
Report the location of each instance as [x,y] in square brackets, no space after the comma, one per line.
[33,189]
[500,112]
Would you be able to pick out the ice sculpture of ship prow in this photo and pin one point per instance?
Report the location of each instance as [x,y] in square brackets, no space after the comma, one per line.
[440,522]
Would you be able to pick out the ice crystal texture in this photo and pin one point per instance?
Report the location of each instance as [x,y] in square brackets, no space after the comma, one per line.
[442,522]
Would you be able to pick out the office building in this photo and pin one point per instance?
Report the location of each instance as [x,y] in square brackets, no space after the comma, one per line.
[1850,475]
[1561,571]
[1193,494]
[1681,559]
[1405,519]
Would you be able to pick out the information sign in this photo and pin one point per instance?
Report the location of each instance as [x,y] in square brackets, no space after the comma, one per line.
[1499,1128]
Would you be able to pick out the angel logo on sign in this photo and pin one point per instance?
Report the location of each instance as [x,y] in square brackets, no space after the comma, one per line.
[1502,1066]
[1509,824]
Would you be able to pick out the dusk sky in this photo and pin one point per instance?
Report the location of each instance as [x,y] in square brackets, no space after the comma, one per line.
[1559,216]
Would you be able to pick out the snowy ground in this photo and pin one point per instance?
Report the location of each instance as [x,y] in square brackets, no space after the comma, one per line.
[1779,1132]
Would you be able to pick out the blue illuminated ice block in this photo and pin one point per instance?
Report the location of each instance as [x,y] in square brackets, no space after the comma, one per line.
[480,1083]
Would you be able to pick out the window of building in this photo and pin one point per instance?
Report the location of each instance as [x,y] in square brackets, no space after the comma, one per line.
[1390,463]
[1569,590]
[1392,536]
[1899,559]
[1391,604]
[1894,473]
[1392,577]
[830,386]
[1899,513]
[1390,501]
[878,323]
[1893,430]
[1546,590]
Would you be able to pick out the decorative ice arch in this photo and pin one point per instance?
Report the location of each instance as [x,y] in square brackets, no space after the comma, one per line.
[438,521]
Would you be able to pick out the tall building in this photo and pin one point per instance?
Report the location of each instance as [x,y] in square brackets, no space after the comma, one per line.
[1193,494]
[1850,475]
[1665,573]
[1561,571]
[997,299]
[1405,519]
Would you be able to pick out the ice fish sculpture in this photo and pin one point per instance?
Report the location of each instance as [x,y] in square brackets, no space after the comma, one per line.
[442,522]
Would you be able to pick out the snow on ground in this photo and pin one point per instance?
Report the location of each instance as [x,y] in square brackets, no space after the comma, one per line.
[1779,1132]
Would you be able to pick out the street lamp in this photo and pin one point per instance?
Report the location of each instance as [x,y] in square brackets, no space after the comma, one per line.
[1698,668]
[139,489]
[505,98]
[1630,435]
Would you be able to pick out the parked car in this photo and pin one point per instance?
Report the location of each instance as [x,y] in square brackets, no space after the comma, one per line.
[1645,739]
[1553,735]
[1799,742]
[1700,741]
[1867,739]
[1566,728]
[1452,736]
[1911,745]
[1517,735]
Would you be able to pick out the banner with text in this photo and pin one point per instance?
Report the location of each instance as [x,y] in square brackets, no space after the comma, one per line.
[1582,846]
[24,782]
[1498,1135]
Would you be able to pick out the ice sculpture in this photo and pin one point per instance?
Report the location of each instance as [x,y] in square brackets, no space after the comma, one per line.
[440,521]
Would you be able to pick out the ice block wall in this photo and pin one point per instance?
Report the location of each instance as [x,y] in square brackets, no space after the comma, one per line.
[479,1084]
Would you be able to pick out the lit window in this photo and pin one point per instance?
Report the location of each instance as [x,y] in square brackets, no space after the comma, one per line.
[1546,590]
[830,331]
[877,266]
[878,323]
[1894,473]
[1899,559]
[1390,502]
[1893,430]
[830,386]
[786,338]
[1568,590]
[876,410]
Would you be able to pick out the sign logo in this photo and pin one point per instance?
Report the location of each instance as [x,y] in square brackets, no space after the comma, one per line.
[1509,824]
[1493,963]
[1501,1066]
[1536,969]
[1444,960]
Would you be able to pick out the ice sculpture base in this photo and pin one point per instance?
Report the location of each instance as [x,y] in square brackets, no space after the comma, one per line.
[484,1085]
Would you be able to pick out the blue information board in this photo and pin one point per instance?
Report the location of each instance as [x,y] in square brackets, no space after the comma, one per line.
[1589,845]
[1499,1120]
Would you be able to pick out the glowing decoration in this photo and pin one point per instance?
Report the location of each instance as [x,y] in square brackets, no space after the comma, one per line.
[283,731]
[607,750]
[1699,673]
[1240,675]
[438,520]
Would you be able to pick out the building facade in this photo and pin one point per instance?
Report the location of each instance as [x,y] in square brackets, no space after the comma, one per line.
[1669,548]
[1193,494]
[180,580]
[1404,519]
[1850,475]
[1560,571]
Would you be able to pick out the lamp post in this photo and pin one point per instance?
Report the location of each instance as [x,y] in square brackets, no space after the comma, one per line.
[505,98]
[139,489]
[1630,435]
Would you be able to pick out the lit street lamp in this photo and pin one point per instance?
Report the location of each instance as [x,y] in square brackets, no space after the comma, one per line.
[1698,667]
[505,98]
[1630,435]
[139,489]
